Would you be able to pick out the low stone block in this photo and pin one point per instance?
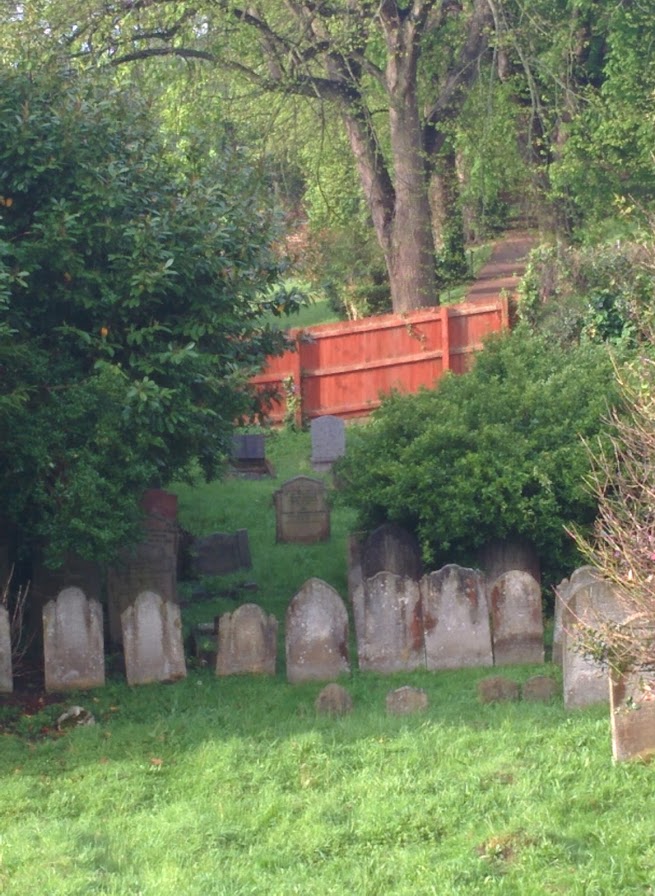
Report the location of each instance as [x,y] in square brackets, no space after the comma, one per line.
[406,700]
[497,689]
[334,700]
[540,689]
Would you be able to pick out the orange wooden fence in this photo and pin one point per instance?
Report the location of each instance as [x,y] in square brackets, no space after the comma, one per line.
[345,368]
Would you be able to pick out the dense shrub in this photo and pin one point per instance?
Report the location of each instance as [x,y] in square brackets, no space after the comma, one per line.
[492,453]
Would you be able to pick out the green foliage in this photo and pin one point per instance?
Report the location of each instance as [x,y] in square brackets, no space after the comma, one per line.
[600,293]
[493,453]
[131,287]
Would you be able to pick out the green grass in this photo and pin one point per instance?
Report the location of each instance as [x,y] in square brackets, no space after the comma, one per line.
[235,787]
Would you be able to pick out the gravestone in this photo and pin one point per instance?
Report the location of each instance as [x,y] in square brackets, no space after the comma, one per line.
[73,644]
[539,689]
[316,634]
[302,513]
[581,576]
[247,642]
[632,714]
[219,554]
[456,619]
[389,623]
[391,548]
[334,700]
[328,442]
[150,565]
[6,674]
[497,689]
[517,629]
[406,700]
[248,455]
[590,605]
[152,640]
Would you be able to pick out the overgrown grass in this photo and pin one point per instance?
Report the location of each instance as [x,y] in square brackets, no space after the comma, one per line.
[235,787]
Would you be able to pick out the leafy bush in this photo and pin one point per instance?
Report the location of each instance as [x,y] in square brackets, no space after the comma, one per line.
[594,293]
[493,453]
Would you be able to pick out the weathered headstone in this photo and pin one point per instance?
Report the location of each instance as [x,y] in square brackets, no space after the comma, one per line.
[334,700]
[220,553]
[517,628]
[247,642]
[151,565]
[406,700]
[249,455]
[456,619]
[581,576]
[302,513]
[391,548]
[316,634]
[6,673]
[73,644]
[389,623]
[589,607]
[152,640]
[328,441]
[632,713]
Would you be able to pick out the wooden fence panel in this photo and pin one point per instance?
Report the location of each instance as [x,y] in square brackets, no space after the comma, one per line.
[345,368]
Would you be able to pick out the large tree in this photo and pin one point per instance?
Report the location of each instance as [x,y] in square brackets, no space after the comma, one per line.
[130,295]
[363,58]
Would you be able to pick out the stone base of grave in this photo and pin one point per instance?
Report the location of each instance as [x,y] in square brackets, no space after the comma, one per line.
[632,711]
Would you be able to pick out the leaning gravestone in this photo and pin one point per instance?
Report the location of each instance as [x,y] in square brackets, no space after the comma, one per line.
[589,607]
[328,442]
[302,513]
[316,634]
[73,644]
[456,619]
[220,553]
[391,548]
[6,675]
[151,565]
[517,628]
[247,642]
[389,623]
[632,714]
[152,640]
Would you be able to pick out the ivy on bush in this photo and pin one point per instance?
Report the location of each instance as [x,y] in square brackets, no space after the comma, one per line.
[492,453]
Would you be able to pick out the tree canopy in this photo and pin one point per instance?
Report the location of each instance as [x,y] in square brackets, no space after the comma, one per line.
[130,299]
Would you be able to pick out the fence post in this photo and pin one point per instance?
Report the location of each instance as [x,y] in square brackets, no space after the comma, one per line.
[445,339]
[297,379]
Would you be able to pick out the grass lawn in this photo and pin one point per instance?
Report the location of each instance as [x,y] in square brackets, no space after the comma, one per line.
[235,787]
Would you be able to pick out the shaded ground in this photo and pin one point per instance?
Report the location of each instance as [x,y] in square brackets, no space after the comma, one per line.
[504,269]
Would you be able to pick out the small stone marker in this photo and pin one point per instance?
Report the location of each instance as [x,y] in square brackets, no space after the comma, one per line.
[6,676]
[316,634]
[219,554]
[301,511]
[389,623]
[517,628]
[406,700]
[391,548]
[152,640]
[497,689]
[73,644]
[247,642]
[632,713]
[328,442]
[539,689]
[589,606]
[334,700]
[456,619]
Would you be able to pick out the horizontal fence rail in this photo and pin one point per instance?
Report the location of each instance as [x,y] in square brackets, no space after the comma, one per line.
[346,368]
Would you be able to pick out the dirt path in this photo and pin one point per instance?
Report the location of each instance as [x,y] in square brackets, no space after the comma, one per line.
[504,269]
